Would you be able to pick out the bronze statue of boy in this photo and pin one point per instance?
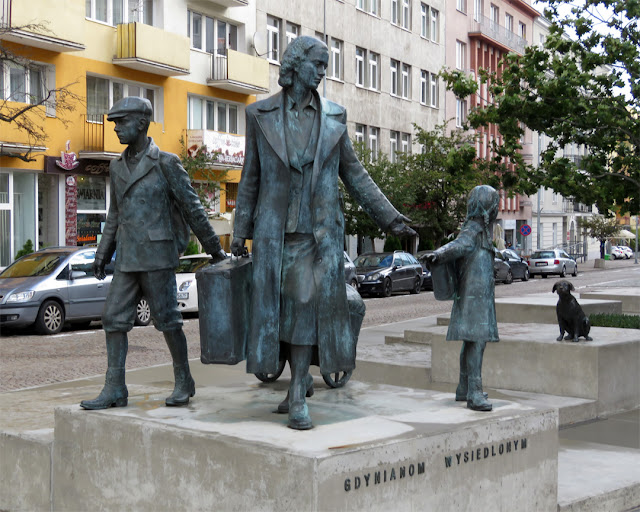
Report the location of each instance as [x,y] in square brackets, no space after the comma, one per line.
[151,198]
[297,147]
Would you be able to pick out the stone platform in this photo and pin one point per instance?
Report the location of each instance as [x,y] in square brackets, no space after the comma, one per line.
[630,297]
[528,358]
[373,448]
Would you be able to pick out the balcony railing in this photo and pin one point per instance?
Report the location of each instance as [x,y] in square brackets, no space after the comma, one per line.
[570,206]
[152,49]
[38,23]
[492,29]
[239,72]
[230,3]
[93,132]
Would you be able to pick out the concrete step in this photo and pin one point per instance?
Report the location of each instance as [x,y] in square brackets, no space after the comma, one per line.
[630,297]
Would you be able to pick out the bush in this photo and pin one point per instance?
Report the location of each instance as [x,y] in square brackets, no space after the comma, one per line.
[614,320]
[27,248]
[391,244]
[192,248]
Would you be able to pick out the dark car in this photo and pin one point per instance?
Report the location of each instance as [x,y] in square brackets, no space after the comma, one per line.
[519,267]
[501,269]
[55,286]
[427,281]
[350,274]
[388,272]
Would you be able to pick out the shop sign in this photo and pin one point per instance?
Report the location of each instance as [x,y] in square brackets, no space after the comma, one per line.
[69,161]
[85,167]
[229,147]
[70,211]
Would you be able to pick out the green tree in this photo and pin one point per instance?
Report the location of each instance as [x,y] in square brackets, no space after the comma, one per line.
[199,165]
[581,87]
[27,248]
[601,228]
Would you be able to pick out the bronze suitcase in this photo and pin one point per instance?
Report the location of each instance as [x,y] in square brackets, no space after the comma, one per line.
[224,303]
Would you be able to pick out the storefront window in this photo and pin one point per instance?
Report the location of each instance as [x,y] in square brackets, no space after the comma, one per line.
[48,210]
[24,209]
[92,208]
[5,221]
[90,227]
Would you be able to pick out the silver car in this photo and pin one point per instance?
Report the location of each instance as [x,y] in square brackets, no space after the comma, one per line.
[55,286]
[554,261]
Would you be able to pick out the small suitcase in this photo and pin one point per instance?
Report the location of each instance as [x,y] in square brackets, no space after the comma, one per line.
[224,303]
[445,280]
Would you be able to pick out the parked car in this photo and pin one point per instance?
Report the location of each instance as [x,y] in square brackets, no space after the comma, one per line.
[519,267]
[617,253]
[501,270]
[186,281]
[628,251]
[350,274]
[427,281]
[55,286]
[555,261]
[388,272]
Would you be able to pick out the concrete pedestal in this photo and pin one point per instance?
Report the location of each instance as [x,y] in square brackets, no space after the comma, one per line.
[374,447]
[527,358]
[629,297]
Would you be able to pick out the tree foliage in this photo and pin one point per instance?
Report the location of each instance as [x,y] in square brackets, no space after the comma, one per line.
[601,228]
[429,185]
[581,87]
[199,163]
[29,117]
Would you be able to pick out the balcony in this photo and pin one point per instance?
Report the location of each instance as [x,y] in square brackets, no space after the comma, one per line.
[228,146]
[230,3]
[54,26]
[491,31]
[152,49]
[239,72]
[570,206]
[100,141]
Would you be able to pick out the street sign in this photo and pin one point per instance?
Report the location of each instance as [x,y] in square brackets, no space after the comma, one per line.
[525,230]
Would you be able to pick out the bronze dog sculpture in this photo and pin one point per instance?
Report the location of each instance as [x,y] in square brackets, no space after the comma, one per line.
[571,317]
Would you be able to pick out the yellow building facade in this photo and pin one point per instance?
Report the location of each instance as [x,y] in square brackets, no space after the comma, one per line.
[192,63]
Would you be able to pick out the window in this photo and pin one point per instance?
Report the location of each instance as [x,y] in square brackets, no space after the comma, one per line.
[210,34]
[373,142]
[293,31]
[433,96]
[494,17]
[406,143]
[360,69]
[394,142]
[461,55]
[478,6]
[435,22]
[370,6]
[23,84]
[461,112]
[424,87]
[395,76]
[374,71]
[401,13]
[115,12]
[461,5]
[209,114]
[508,22]
[522,30]
[102,93]
[361,133]
[424,21]
[335,64]
[273,39]
[406,81]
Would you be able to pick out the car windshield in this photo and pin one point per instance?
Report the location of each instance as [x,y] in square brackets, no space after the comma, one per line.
[191,265]
[541,255]
[36,264]
[374,260]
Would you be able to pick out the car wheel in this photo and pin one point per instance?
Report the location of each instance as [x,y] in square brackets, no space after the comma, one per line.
[525,276]
[354,284]
[417,286]
[143,313]
[338,379]
[272,377]
[575,270]
[509,278]
[50,318]
[563,272]
[387,286]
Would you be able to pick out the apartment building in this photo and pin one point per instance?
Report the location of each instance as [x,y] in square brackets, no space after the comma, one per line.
[479,33]
[191,59]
